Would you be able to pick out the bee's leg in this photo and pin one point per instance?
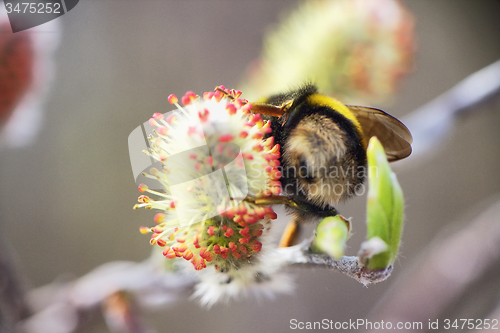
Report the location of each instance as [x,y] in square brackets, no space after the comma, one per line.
[272,200]
[289,236]
[268,109]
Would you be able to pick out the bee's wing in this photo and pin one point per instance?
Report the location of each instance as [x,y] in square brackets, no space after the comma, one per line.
[392,133]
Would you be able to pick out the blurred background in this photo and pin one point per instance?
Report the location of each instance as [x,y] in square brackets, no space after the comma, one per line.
[66,199]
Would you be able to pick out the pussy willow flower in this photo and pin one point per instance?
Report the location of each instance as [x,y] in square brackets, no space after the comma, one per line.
[355,49]
[215,160]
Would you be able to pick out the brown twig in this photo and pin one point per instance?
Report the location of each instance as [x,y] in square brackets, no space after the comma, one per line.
[60,307]
[351,266]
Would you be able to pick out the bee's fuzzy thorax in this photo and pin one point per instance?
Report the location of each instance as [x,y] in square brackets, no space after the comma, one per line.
[322,148]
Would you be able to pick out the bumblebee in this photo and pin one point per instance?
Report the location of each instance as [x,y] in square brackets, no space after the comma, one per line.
[323,150]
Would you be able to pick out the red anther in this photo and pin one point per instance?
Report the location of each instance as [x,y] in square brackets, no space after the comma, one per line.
[170,254]
[185,100]
[170,118]
[196,242]
[203,252]
[188,97]
[209,256]
[267,193]
[238,102]
[272,216]
[219,148]
[231,108]
[257,233]
[229,232]
[165,250]
[208,95]
[210,230]
[246,108]
[198,263]
[230,213]
[159,218]
[161,242]
[271,157]
[258,136]
[255,245]
[250,219]
[217,96]
[153,122]
[258,147]
[248,156]
[243,134]
[158,116]
[226,138]
[143,188]
[269,142]
[162,130]
[275,163]
[172,99]
[245,231]
[188,255]
[182,248]
[276,190]
[266,130]
[241,209]
[260,212]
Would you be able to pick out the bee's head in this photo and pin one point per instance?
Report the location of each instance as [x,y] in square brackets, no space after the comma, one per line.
[323,160]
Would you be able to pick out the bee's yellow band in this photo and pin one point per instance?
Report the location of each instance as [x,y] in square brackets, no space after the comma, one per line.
[318,99]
